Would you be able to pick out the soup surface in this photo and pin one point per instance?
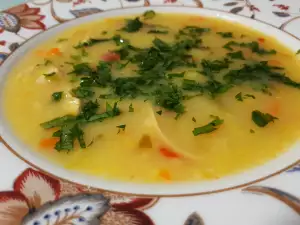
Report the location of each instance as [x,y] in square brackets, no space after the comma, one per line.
[157,98]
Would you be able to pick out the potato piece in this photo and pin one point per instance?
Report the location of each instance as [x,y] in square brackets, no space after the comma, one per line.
[71,104]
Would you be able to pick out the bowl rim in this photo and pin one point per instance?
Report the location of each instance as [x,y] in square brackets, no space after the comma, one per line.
[257,174]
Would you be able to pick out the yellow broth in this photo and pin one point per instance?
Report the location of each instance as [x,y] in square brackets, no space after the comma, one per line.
[230,140]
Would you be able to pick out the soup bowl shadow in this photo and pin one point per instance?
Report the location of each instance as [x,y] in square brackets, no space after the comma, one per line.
[21,150]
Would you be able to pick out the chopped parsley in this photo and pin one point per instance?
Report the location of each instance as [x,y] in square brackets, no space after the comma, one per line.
[56,96]
[70,126]
[158,32]
[240,97]
[68,134]
[133,25]
[262,119]
[61,40]
[254,46]
[121,127]
[90,42]
[89,109]
[157,77]
[236,55]
[298,52]
[49,74]
[210,127]
[175,75]
[226,34]
[83,92]
[170,98]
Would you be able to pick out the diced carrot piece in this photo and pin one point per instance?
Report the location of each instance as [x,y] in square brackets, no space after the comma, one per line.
[169,154]
[165,174]
[54,51]
[111,57]
[261,40]
[274,63]
[48,142]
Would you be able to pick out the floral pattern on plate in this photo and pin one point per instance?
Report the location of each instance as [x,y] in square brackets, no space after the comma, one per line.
[39,199]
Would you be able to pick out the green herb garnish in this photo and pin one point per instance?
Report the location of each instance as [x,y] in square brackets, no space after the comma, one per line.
[90,42]
[262,119]
[121,128]
[236,55]
[83,92]
[133,25]
[68,135]
[240,97]
[49,74]
[210,127]
[159,112]
[89,109]
[61,40]
[56,96]
[254,46]
[158,32]
[226,34]
[175,75]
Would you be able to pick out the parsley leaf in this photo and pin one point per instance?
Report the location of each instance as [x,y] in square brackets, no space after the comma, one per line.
[259,72]
[68,135]
[90,42]
[89,109]
[226,34]
[158,32]
[120,41]
[83,92]
[240,97]
[61,40]
[254,46]
[298,52]
[159,112]
[49,74]
[121,127]
[175,75]
[133,25]
[170,98]
[58,122]
[262,119]
[210,127]
[236,55]
[56,96]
